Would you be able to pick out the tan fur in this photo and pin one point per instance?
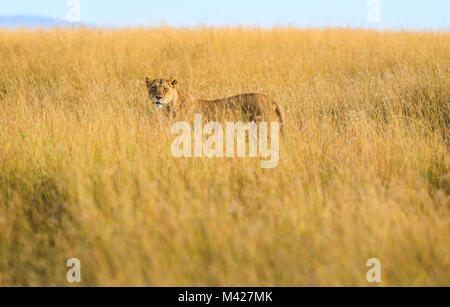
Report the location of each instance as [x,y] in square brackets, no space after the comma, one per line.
[176,102]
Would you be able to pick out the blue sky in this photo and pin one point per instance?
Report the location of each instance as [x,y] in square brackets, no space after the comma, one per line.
[394,14]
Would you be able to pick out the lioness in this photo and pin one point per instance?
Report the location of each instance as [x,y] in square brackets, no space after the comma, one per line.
[167,97]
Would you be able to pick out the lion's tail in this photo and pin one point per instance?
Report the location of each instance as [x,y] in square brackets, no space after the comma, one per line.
[280,114]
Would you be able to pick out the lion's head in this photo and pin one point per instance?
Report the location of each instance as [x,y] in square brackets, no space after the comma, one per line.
[161,91]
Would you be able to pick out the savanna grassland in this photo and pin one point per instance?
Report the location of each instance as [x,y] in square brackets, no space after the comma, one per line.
[86,169]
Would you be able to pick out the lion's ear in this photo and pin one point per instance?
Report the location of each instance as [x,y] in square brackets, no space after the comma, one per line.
[173,82]
[147,80]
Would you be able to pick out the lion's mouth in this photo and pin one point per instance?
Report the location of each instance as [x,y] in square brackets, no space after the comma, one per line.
[159,105]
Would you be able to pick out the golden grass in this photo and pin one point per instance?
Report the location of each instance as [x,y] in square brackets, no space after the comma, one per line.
[86,169]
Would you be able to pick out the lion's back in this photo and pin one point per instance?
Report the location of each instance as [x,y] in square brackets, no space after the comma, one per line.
[254,106]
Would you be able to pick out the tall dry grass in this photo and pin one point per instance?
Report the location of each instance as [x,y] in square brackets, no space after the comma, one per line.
[86,169]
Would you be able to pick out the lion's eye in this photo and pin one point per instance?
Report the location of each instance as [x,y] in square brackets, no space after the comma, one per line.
[166,90]
[154,89]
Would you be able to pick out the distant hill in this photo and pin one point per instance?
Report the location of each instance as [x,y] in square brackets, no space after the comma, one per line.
[17,21]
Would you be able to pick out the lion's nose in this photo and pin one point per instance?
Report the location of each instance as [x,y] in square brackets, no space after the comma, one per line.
[158,97]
